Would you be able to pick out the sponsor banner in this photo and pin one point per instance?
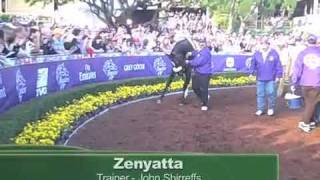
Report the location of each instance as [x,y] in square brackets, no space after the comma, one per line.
[233,63]
[22,83]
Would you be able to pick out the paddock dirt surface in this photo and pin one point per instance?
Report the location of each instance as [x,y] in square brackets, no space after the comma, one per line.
[230,126]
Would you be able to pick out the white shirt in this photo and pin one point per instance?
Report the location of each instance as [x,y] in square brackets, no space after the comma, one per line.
[265,54]
[284,56]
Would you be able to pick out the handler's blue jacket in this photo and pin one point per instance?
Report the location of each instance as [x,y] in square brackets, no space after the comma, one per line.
[202,61]
[307,68]
[266,69]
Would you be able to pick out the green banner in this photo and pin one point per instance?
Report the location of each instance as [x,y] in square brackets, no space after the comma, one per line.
[137,166]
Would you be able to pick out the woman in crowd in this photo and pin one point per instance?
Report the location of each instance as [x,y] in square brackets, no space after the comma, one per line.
[85,46]
[72,42]
[98,43]
[35,39]
[58,42]
[166,46]
[12,47]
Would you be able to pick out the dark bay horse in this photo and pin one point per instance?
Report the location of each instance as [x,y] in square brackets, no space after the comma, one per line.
[180,68]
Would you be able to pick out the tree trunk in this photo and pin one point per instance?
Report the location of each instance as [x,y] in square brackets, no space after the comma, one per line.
[125,15]
[242,26]
[55,5]
[231,16]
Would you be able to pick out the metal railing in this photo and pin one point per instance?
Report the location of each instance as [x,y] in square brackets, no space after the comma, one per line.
[10,62]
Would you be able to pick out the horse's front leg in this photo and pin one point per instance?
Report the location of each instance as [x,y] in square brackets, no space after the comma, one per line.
[168,83]
[186,85]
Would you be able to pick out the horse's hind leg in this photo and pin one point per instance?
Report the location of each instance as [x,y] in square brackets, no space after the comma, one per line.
[168,83]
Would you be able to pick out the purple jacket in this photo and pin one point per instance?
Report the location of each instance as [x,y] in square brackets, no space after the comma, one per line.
[202,61]
[267,70]
[306,70]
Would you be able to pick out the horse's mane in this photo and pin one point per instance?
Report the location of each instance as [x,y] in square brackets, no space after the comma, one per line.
[179,52]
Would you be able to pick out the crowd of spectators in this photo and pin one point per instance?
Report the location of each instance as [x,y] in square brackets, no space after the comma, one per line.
[26,41]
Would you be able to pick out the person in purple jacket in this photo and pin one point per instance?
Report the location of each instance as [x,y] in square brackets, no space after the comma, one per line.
[202,70]
[306,73]
[266,65]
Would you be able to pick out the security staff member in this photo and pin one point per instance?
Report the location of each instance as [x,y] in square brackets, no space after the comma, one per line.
[202,70]
[306,73]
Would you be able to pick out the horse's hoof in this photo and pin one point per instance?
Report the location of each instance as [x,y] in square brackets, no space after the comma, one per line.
[159,101]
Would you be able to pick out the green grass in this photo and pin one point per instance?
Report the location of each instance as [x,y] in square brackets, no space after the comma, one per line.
[13,120]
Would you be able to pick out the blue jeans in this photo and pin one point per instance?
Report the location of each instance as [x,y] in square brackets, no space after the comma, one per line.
[266,88]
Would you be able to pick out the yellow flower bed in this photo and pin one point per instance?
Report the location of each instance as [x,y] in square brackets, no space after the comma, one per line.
[47,130]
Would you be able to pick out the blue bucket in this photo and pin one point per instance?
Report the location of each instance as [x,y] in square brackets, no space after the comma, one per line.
[296,103]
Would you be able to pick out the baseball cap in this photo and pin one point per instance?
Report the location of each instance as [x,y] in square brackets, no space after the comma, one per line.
[312,39]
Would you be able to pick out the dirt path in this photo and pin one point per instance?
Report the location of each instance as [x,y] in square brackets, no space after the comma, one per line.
[229,127]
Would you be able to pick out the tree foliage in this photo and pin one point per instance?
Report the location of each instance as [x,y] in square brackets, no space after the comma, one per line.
[110,10]
[289,4]
[56,3]
[107,11]
[243,9]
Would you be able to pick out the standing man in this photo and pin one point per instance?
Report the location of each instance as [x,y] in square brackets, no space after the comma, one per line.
[306,73]
[284,57]
[266,65]
[202,70]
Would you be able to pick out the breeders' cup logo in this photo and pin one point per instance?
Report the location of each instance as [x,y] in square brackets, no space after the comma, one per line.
[2,89]
[87,74]
[271,58]
[160,66]
[312,61]
[62,76]
[230,62]
[110,69]
[248,62]
[21,85]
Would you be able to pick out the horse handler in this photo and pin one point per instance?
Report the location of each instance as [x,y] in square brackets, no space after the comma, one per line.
[306,73]
[202,70]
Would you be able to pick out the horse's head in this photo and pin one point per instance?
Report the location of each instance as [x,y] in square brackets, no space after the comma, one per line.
[178,62]
[178,54]
[177,59]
